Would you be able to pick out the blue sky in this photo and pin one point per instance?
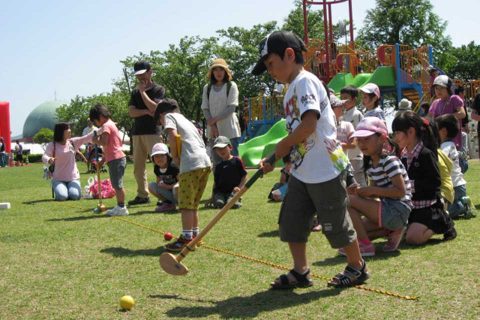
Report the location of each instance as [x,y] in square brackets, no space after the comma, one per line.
[67,48]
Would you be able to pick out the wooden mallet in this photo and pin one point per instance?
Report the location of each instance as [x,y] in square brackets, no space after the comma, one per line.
[100,206]
[172,264]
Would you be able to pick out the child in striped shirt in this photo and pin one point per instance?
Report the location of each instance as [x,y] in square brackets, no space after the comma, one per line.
[386,202]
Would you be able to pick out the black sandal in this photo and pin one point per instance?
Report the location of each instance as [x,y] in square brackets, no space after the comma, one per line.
[350,277]
[300,281]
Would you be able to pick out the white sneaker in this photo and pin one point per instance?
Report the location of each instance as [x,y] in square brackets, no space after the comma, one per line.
[117,211]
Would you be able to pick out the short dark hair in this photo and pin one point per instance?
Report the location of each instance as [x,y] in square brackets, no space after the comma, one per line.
[449,122]
[99,110]
[166,105]
[350,90]
[459,90]
[58,131]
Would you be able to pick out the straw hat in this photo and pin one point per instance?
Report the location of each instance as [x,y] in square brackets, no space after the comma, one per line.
[219,62]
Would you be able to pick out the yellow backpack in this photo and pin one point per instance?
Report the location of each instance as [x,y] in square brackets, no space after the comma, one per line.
[445,165]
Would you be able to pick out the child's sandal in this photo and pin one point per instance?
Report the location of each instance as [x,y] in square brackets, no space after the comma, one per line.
[349,277]
[292,280]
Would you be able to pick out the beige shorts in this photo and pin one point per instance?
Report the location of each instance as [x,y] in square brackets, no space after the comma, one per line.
[191,187]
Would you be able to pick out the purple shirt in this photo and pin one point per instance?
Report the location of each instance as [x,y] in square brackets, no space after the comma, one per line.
[450,105]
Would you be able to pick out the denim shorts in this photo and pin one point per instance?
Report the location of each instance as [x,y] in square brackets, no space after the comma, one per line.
[116,168]
[393,214]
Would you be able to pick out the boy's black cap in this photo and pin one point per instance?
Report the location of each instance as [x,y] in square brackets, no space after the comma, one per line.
[277,42]
[140,67]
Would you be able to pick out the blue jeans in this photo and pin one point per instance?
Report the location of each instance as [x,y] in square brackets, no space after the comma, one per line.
[66,190]
[235,142]
[457,208]
[3,159]
[162,194]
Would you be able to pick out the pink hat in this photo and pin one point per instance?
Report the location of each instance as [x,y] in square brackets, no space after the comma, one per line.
[369,126]
[371,88]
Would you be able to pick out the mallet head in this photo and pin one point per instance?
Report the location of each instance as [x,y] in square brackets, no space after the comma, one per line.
[170,265]
[100,208]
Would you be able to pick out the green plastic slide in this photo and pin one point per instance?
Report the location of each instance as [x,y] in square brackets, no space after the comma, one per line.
[382,76]
[262,146]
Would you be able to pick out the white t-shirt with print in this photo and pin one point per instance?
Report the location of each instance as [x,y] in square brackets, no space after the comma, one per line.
[320,157]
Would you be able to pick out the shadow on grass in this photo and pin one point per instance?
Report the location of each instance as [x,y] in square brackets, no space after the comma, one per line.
[80,218]
[338,259]
[125,252]
[430,242]
[38,201]
[269,234]
[247,307]
[379,254]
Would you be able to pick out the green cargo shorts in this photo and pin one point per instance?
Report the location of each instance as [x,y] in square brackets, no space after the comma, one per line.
[305,200]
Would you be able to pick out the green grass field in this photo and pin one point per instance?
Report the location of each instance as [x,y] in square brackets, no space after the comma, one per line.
[58,260]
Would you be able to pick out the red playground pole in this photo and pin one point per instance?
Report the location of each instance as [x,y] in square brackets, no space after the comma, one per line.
[5,129]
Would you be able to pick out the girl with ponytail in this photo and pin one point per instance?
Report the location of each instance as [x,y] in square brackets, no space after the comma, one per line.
[417,138]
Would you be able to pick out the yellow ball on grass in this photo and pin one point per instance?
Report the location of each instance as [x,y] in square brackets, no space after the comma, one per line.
[127,302]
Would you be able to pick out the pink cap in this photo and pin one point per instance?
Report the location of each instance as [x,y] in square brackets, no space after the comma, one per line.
[369,126]
[371,88]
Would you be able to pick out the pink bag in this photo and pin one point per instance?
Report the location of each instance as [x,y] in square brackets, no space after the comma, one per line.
[107,189]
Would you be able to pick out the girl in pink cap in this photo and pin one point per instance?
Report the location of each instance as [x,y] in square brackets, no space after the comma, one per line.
[371,101]
[386,202]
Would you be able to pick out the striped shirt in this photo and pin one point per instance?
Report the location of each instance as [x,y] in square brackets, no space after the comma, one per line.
[387,168]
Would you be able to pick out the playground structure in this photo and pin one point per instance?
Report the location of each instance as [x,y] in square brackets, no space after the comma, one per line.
[399,70]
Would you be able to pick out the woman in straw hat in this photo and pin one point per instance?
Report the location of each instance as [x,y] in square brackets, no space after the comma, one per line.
[219,101]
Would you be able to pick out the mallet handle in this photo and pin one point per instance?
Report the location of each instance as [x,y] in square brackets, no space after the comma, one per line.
[222,212]
[99,182]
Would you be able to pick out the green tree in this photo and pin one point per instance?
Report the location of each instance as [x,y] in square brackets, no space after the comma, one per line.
[411,22]
[76,112]
[44,135]
[240,49]
[466,62]
[294,21]
[181,69]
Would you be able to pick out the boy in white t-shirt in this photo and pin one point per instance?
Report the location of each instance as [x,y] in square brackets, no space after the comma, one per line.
[317,182]
[189,153]
[447,130]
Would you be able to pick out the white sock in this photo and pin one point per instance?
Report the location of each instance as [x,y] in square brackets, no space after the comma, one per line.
[187,234]
[196,231]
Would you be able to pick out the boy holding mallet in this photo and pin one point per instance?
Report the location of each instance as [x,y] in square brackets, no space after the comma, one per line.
[194,164]
[317,182]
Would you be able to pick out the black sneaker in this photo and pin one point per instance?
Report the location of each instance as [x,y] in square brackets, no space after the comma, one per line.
[450,234]
[138,200]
